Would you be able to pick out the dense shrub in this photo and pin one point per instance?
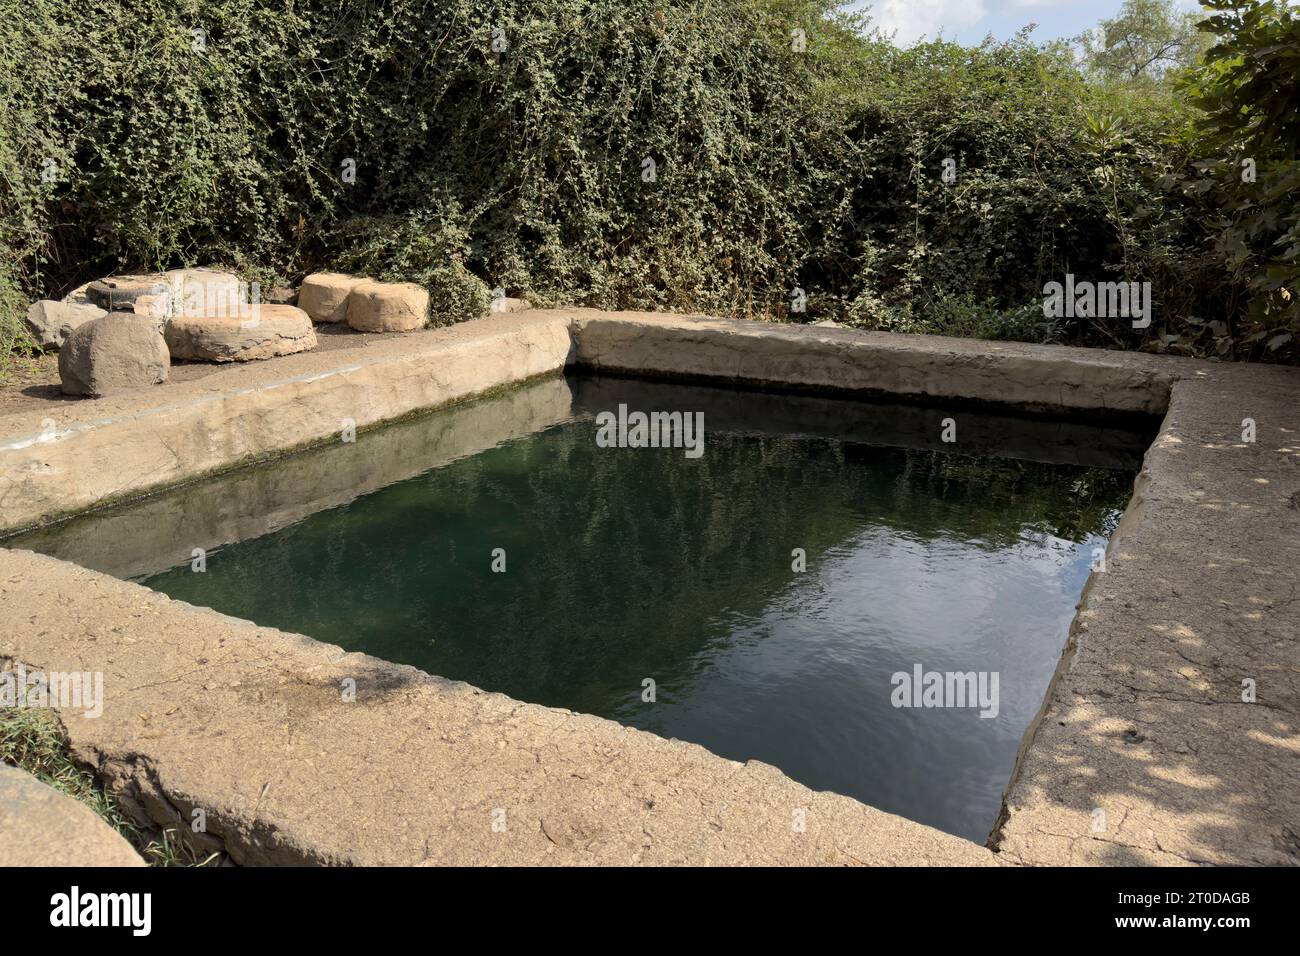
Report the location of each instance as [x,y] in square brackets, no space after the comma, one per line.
[230,145]
[177,131]
[1249,177]
[1050,175]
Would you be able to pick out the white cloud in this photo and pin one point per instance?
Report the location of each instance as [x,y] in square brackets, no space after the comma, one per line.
[1038,4]
[912,19]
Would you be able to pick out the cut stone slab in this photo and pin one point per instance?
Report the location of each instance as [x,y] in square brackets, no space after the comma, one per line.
[52,322]
[267,331]
[510,305]
[119,293]
[79,295]
[43,827]
[117,351]
[203,292]
[324,296]
[156,307]
[1040,377]
[388,307]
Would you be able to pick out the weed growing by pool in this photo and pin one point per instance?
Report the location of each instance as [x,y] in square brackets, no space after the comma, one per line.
[34,740]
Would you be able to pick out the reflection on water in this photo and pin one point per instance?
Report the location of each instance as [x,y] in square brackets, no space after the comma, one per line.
[624,565]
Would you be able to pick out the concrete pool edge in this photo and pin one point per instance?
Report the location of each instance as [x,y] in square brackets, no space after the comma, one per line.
[250,725]
[58,463]
[1065,774]
[1042,378]
[161,530]
[1146,749]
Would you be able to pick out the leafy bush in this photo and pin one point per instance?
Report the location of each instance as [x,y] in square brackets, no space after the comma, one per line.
[15,340]
[612,153]
[962,316]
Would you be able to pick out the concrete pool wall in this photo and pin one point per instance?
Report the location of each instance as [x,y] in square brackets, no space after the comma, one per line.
[1144,751]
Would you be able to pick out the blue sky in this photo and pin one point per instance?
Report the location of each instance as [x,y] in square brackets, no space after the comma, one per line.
[968,21]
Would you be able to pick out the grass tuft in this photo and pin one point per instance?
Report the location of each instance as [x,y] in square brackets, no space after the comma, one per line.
[35,741]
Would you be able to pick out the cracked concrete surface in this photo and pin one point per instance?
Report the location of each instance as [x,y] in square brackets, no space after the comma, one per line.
[1144,751]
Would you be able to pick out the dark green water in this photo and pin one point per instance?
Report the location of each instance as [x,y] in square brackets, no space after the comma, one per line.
[628,564]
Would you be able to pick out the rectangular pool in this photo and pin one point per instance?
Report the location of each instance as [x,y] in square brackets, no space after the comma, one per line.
[829,586]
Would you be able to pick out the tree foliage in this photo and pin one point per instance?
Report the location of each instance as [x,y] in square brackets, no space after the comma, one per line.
[1146,40]
[1250,180]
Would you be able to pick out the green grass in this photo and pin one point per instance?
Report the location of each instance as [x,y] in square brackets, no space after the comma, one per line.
[34,740]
